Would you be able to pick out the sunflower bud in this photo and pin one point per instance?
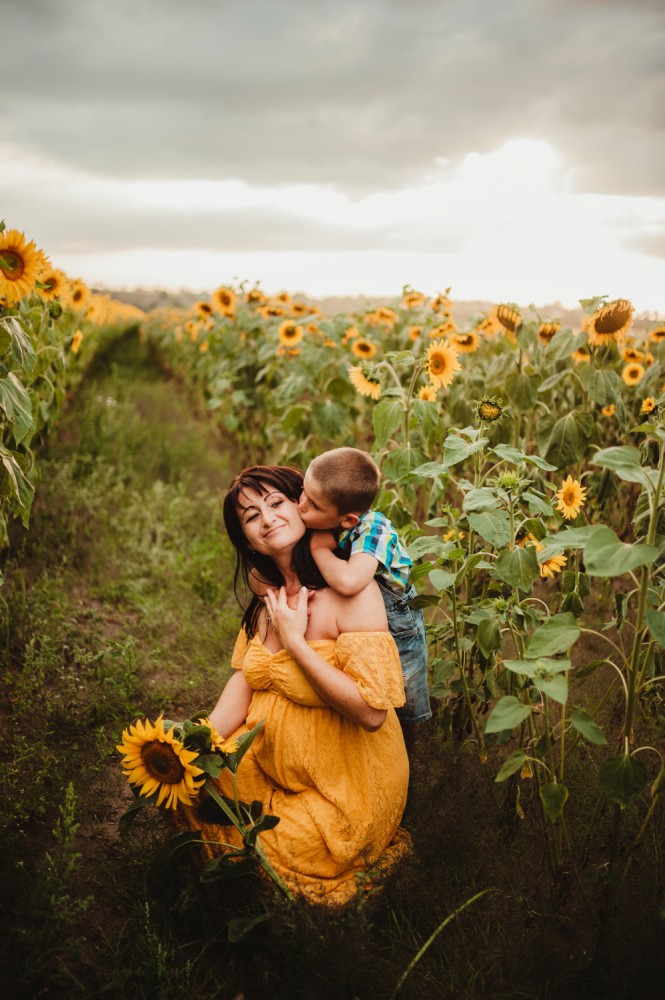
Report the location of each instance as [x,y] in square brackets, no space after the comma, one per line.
[55,310]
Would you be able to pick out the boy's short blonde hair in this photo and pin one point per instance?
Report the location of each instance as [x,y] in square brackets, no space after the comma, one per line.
[348,477]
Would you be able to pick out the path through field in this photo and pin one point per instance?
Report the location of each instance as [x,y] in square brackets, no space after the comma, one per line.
[119,603]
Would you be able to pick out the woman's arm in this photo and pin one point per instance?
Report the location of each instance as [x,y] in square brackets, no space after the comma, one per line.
[335,687]
[232,706]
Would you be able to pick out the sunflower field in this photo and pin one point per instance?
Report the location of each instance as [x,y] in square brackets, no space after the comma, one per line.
[523,463]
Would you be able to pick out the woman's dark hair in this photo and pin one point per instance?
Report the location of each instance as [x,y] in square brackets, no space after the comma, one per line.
[263,479]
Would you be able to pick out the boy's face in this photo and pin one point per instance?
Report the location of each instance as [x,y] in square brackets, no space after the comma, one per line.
[315,509]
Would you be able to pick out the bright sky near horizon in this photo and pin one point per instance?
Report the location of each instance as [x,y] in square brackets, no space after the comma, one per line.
[511,152]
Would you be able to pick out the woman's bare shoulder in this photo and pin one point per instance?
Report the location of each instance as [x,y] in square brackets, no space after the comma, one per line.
[363,612]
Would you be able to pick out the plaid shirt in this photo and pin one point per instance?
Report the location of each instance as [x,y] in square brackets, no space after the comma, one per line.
[375,535]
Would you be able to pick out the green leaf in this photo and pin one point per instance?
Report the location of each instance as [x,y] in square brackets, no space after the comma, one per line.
[512,763]
[605,555]
[602,385]
[655,622]
[553,796]
[508,713]
[493,526]
[624,460]
[569,438]
[584,724]
[556,635]
[387,416]
[127,819]
[244,743]
[488,636]
[456,449]
[401,462]
[15,484]
[555,686]
[441,580]
[537,504]
[562,345]
[328,417]
[425,544]
[623,778]
[21,345]
[517,567]
[522,391]
[517,457]
[481,499]
[15,401]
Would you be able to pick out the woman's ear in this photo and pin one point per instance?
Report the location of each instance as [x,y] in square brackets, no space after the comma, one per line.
[349,521]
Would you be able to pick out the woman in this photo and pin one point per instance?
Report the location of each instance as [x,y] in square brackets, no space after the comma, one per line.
[323,673]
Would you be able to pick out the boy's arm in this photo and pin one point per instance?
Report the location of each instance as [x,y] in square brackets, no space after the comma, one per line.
[345,577]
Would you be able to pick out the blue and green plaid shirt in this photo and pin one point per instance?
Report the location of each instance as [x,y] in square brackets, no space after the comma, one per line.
[375,535]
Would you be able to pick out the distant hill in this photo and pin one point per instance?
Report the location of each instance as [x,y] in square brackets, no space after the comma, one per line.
[156,298]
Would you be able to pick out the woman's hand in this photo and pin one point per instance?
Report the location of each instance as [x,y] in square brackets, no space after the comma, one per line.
[290,624]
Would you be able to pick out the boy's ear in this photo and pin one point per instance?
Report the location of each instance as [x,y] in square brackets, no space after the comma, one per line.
[349,521]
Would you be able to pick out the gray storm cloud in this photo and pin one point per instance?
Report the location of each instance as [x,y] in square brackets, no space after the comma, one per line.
[363,95]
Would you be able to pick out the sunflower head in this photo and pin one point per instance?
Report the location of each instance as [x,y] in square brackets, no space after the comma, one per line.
[442,363]
[570,497]
[364,383]
[363,348]
[466,343]
[657,334]
[610,323]
[632,373]
[509,317]
[648,405]
[158,764]
[489,409]
[224,301]
[290,333]
[20,265]
[551,566]
[411,299]
[427,393]
[547,330]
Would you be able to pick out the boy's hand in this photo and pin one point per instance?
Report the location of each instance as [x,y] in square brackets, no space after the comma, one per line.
[321,541]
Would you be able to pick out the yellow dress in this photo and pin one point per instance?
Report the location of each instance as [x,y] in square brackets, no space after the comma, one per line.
[339,791]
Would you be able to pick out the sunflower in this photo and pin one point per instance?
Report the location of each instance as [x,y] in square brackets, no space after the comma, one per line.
[284,298]
[363,348]
[632,373]
[440,304]
[489,325]
[509,318]
[442,329]
[414,332]
[350,333]
[204,309]
[609,410]
[442,364]
[363,384]
[51,283]
[385,315]
[546,331]
[412,300]
[427,393]
[157,763]
[466,343]
[77,340]
[20,264]
[648,405]
[289,334]
[255,297]
[77,295]
[571,498]
[553,565]
[489,410]
[203,347]
[581,355]
[217,741]
[631,354]
[224,301]
[271,310]
[300,309]
[657,334]
[609,323]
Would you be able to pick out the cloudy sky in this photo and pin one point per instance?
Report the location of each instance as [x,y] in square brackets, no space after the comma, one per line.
[512,151]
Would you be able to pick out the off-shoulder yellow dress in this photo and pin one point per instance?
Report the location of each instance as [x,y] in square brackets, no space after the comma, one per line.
[339,791]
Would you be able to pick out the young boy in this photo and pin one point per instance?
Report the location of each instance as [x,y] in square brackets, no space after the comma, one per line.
[339,488]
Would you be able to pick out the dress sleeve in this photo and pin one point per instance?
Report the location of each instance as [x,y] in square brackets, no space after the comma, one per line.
[372,661]
[239,650]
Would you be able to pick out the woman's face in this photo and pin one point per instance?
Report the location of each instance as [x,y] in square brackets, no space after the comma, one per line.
[270,521]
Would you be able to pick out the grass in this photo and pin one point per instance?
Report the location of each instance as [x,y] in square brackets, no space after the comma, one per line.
[119,603]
